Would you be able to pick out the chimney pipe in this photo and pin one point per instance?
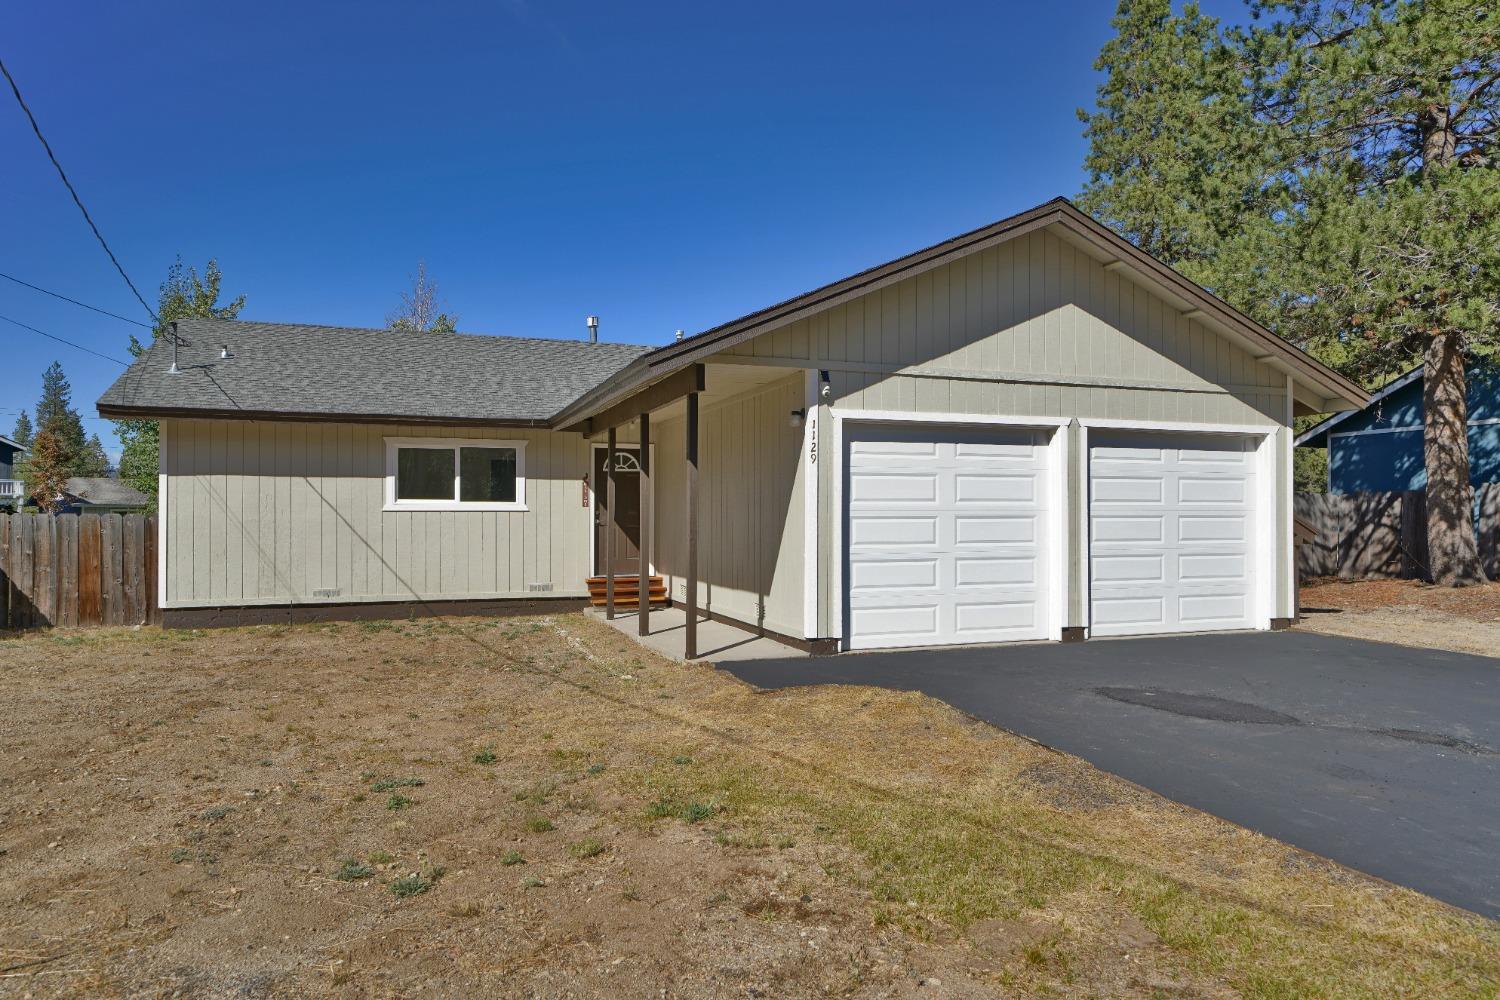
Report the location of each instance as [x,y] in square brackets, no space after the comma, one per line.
[679,334]
[593,322]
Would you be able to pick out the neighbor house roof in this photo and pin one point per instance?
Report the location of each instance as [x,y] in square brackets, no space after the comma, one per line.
[290,371]
[105,492]
[12,442]
[1333,391]
[1316,436]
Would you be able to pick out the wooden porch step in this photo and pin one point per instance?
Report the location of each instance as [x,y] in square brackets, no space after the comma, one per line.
[627,591]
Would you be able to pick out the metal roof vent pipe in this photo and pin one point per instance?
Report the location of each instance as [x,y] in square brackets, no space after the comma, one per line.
[225,353]
[679,334]
[593,322]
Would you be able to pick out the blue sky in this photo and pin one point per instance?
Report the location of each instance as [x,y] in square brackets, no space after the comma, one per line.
[661,165]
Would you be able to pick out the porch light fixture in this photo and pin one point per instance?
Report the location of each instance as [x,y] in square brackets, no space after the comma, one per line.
[797,417]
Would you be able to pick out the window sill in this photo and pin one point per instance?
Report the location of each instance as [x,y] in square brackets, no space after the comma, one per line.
[450,505]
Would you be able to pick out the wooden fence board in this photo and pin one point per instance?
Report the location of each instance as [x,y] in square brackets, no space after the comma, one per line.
[90,599]
[67,572]
[153,605]
[1384,535]
[133,558]
[4,572]
[111,528]
[44,568]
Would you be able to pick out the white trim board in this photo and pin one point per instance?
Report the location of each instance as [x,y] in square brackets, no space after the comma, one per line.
[1407,429]
[810,534]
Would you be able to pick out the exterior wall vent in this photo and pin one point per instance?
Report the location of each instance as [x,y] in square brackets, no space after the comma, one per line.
[539,588]
[327,592]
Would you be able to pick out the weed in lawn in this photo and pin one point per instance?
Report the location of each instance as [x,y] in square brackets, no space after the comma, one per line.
[486,756]
[596,769]
[216,812]
[398,802]
[688,812]
[387,784]
[512,858]
[180,855]
[586,848]
[358,797]
[469,909]
[539,824]
[630,894]
[682,760]
[532,882]
[381,857]
[409,885]
[353,870]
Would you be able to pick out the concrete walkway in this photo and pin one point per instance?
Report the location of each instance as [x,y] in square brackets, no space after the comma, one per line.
[717,642]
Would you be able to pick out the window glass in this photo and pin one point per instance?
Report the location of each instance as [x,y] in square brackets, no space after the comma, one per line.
[424,474]
[487,475]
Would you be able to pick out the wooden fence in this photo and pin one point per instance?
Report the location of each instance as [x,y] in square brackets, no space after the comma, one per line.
[77,569]
[1384,535]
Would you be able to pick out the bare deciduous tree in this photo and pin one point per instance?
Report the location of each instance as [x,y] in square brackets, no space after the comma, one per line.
[419,311]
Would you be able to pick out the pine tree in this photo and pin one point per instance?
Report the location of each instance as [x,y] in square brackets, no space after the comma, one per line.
[94,461]
[183,295]
[47,470]
[55,413]
[1330,170]
[23,432]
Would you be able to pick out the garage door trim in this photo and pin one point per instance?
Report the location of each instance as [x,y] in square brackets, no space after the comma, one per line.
[1059,583]
[1268,528]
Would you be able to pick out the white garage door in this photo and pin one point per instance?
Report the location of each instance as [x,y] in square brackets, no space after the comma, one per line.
[945,536]
[1171,533]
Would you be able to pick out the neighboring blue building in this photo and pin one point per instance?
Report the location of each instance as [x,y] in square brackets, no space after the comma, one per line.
[1379,447]
[10,485]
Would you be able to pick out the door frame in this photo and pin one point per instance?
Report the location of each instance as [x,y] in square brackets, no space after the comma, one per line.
[1265,523]
[1057,527]
[594,502]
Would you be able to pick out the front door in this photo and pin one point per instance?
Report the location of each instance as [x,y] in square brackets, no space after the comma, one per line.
[627,514]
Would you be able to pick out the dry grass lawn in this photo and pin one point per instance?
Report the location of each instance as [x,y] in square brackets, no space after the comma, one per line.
[1406,612]
[538,807]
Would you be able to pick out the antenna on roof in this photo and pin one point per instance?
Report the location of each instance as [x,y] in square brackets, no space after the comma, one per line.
[593,322]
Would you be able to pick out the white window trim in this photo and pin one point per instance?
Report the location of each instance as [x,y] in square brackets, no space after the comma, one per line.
[393,444]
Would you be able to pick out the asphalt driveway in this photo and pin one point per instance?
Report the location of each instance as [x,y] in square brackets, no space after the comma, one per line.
[1384,758]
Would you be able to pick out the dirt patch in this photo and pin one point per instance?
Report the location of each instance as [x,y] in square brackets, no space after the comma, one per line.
[1406,612]
[542,808]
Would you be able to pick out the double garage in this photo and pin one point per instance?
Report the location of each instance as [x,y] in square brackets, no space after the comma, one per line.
[971,534]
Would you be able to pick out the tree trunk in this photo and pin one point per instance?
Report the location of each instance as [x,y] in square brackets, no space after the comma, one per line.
[1453,554]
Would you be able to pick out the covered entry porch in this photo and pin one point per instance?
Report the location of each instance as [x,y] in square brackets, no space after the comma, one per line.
[696,489]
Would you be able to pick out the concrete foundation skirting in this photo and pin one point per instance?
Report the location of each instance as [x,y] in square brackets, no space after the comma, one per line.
[292,614]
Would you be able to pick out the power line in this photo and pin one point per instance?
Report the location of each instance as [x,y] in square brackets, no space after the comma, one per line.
[69,185]
[58,295]
[44,333]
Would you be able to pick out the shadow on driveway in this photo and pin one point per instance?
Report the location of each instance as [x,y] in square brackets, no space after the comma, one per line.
[1384,758]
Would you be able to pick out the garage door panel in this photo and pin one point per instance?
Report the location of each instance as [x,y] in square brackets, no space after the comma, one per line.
[1229,528]
[995,616]
[870,531]
[1171,530]
[1013,571]
[992,488]
[1129,530]
[1117,569]
[958,558]
[1127,489]
[997,530]
[893,488]
[1200,490]
[892,574]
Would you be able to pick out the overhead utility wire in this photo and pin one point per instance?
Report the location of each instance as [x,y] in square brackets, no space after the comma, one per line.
[44,333]
[69,185]
[59,295]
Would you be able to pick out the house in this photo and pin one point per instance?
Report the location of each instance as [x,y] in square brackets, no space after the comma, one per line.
[100,495]
[11,487]
[1030,431]
[1378,447]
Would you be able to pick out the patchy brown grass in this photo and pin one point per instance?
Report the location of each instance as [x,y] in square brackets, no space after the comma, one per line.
[198,813]
[1406,612]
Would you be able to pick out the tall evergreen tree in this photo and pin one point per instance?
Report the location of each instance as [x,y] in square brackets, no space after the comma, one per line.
[185,294]
[1354,207]
[55,413]
[46,470]
[23,432]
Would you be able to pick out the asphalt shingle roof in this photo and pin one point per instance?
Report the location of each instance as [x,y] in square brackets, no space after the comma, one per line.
[332,372]
[100,490]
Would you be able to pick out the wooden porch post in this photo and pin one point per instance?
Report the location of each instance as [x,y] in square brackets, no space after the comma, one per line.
[643,596]
[691,451]
[609,528]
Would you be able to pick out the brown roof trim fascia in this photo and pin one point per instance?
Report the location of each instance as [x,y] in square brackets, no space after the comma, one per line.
[1086,227]
[166,413]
